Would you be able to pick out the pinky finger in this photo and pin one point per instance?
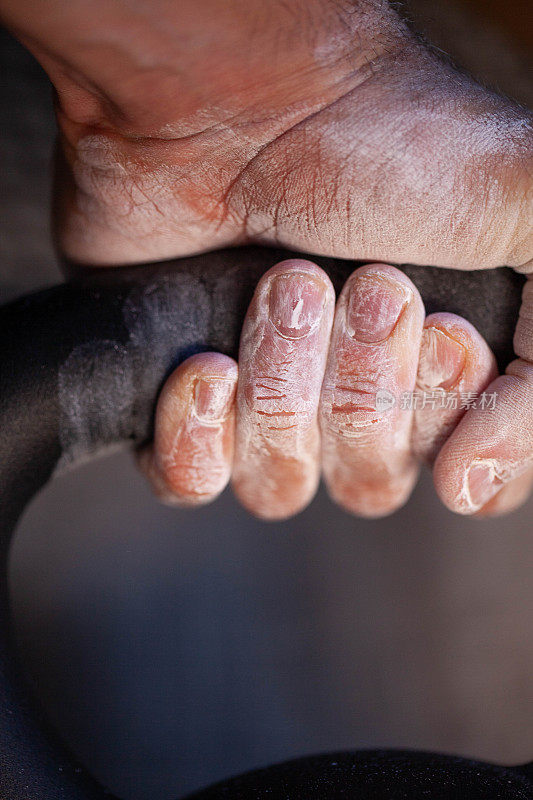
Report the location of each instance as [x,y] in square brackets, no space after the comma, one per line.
[191,458]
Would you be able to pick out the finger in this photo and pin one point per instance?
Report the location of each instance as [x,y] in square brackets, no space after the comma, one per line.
[493,446]
[282,356]
[455,365]
[517,491]
[510,497]
[523,337]
[366,449]
[191,457]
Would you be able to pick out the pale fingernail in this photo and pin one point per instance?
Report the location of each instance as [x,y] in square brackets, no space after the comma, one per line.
[374,307]
[296,304]
[442,360]
[482,483]
[213,398]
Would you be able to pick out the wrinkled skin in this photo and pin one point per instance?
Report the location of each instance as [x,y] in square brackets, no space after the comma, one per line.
[303,402]
[324,126]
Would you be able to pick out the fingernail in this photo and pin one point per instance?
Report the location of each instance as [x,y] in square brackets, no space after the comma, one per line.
[213,398]
[482,483]
[296,304]
[374,307]
[442,360]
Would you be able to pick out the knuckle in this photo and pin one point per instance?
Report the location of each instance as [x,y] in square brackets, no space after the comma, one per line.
[196,481]
[277,405]
[349,409]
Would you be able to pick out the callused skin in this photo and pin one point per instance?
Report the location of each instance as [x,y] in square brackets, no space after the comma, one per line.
[307,400]
[366,452]
[282,357]
[322,125]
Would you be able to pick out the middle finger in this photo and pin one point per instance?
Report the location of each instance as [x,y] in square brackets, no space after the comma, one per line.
[372,364]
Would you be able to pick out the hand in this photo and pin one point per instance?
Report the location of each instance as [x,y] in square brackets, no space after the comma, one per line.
[303,400]
[320,125]
[336,132]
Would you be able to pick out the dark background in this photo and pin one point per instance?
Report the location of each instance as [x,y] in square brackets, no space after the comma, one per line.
[175,648]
